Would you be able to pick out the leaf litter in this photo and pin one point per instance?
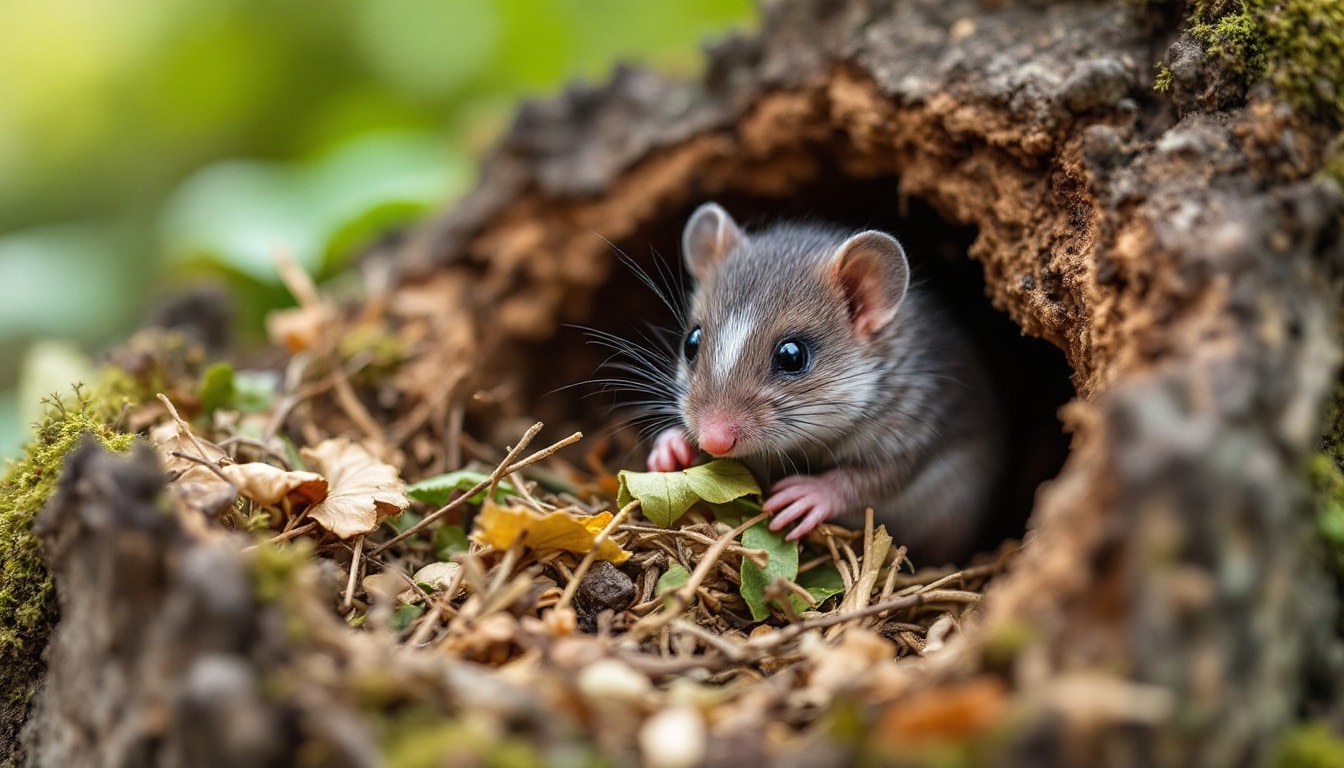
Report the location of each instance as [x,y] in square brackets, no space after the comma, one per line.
[654,613]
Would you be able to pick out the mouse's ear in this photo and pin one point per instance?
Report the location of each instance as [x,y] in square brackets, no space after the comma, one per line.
[872,270]
[710,235]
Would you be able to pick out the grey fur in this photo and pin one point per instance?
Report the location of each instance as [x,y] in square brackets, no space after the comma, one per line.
[908,412]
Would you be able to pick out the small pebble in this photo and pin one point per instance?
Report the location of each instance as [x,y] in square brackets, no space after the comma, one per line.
[611,680]
[673,738]
[604,587]
[961,29]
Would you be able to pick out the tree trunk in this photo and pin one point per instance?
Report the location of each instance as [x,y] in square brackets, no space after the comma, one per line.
[1181,249]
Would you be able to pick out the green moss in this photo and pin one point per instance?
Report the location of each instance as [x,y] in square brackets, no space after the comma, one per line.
[274,567]
[417,739]
[1334,163]
[1297,44]
[1162,82]
[1327,481]
[27,604]
[1236,40]
[282,573]
[1312,745]
[1326,474]
[1304,42]
[1007,643]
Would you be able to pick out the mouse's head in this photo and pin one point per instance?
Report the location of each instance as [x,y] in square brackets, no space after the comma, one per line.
[785,347]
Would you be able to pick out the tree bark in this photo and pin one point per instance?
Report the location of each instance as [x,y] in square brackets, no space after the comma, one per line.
[1181,249]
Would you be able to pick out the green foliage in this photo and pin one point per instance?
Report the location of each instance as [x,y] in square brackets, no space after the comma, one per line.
[27,601]
[405,615]
[727,487]
[146,143]
[439,489]
[674,578]
[132,97]
[450,540]
[666,496]
[217,387]
[822,582]
[783,563]
[1311,745]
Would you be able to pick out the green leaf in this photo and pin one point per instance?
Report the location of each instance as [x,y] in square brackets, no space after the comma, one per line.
[674,578]
[254,391]
[783,562]
[439,489]
[217,387]
[400,523]
[666,496]
[405,615]
[295,460]
[450,540]
[821,582]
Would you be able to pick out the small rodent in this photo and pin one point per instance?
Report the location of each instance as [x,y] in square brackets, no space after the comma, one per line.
[811,357]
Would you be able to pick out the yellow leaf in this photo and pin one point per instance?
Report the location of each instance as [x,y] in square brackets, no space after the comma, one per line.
[362,490]
[500,526]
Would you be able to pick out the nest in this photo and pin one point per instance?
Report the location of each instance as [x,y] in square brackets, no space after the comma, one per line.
[1176,268]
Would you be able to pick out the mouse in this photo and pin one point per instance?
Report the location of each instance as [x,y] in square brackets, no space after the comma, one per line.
[809,354]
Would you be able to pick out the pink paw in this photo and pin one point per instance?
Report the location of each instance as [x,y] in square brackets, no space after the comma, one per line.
[809,499]
[671,451]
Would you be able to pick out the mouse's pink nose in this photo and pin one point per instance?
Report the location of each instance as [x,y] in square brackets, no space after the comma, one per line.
[717,436]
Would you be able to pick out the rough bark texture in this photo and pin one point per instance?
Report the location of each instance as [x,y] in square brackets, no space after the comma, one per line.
[1184,261]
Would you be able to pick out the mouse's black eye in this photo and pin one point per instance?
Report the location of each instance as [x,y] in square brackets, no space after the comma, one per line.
[791,356]
[691,347]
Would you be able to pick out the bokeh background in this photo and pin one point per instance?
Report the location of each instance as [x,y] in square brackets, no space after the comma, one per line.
[149,144]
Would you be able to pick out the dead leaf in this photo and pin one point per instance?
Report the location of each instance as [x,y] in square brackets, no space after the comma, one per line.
[170,438]
[301,328]
[857,650]
[383,585]
[436,577]
[950,713]
[197,486]
[362,490]
[210,499]
[499,526]
[268,485]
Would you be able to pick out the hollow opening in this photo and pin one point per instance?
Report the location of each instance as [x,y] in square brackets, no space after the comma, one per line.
[1031,375]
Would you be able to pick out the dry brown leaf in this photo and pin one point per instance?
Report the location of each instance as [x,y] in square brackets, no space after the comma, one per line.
[197,486]
[300,328]
[383,585]
[500,526]
[269,485]
[361,490]
[170,438]
[950,713]
[439,577]
[209,498]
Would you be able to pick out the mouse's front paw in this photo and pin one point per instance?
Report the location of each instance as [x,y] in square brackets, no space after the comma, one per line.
[809,499]
[671,451]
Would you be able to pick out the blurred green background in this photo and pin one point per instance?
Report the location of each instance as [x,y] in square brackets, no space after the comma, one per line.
[148,143]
